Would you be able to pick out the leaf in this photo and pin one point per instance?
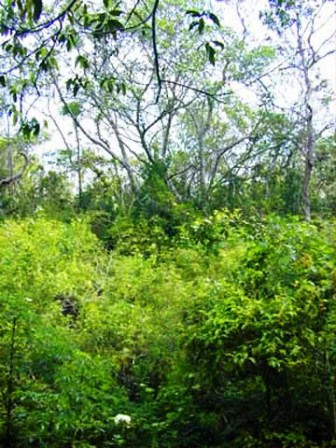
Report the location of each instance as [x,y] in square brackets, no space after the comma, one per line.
[38,6]
[20,7]
[75,89]
[201,26]
[218,44]
[121,88]
[14,92]
[3,81]
[82,61]
[116,12]
[214,19]
[72,109]
[14,112]
[35,128]
[108,84]
[193,13]
[193,25]
[30,128]
[114,25]
[70,42]
[211,52]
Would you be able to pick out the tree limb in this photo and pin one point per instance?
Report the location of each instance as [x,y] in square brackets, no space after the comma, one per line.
[10,179]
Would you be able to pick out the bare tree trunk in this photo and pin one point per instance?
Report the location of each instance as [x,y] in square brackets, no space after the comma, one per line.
[308,136]
[202,131]
[123,151]
[79,169]
[309,163]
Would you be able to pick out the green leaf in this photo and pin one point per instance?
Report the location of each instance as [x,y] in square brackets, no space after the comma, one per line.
[218,44]
[38,6]
[193,13]
[82,61]
[35,128]
[15,113]
[201,26]
[73,109]
[193,25]
[116,12]
[14,93]
[30,128]
[114,25]
[108,84]
[75,89]
[70,42]
[20,7]
[214,19]
[211,52]
[121,88]
[3,80]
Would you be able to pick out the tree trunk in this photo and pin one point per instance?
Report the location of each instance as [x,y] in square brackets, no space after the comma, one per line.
[309,163]
[79,169]
[308,137]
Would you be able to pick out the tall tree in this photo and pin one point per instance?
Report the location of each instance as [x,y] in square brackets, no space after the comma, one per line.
[307,42]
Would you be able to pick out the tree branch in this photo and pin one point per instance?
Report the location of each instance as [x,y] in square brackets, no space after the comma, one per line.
[155,50]
[10,179]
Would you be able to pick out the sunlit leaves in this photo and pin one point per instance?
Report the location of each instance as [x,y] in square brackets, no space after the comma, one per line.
[69,37]
[27,9]
[82,61]
[104,23]
[111,84]
[201,18]
[72,108]
[167,336]
[77,83]
[30,128]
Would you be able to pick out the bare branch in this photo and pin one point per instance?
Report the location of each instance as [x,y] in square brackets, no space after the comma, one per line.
[220,155]
[215,96]
[10,179]
[155,50]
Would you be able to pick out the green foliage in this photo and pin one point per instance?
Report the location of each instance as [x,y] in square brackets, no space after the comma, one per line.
[230,323]
[264,336]
[40,259]
[39,191]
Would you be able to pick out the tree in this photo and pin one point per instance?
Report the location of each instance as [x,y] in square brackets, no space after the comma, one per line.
[143,134]
[299,23]
[52,31]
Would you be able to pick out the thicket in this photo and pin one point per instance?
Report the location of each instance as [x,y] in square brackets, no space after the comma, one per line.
[224,337]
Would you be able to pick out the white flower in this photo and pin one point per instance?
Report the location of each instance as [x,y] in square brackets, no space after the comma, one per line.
[122,418]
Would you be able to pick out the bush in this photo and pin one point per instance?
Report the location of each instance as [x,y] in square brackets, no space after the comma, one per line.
[223,337]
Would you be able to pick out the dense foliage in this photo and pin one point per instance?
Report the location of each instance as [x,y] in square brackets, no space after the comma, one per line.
[221,342]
